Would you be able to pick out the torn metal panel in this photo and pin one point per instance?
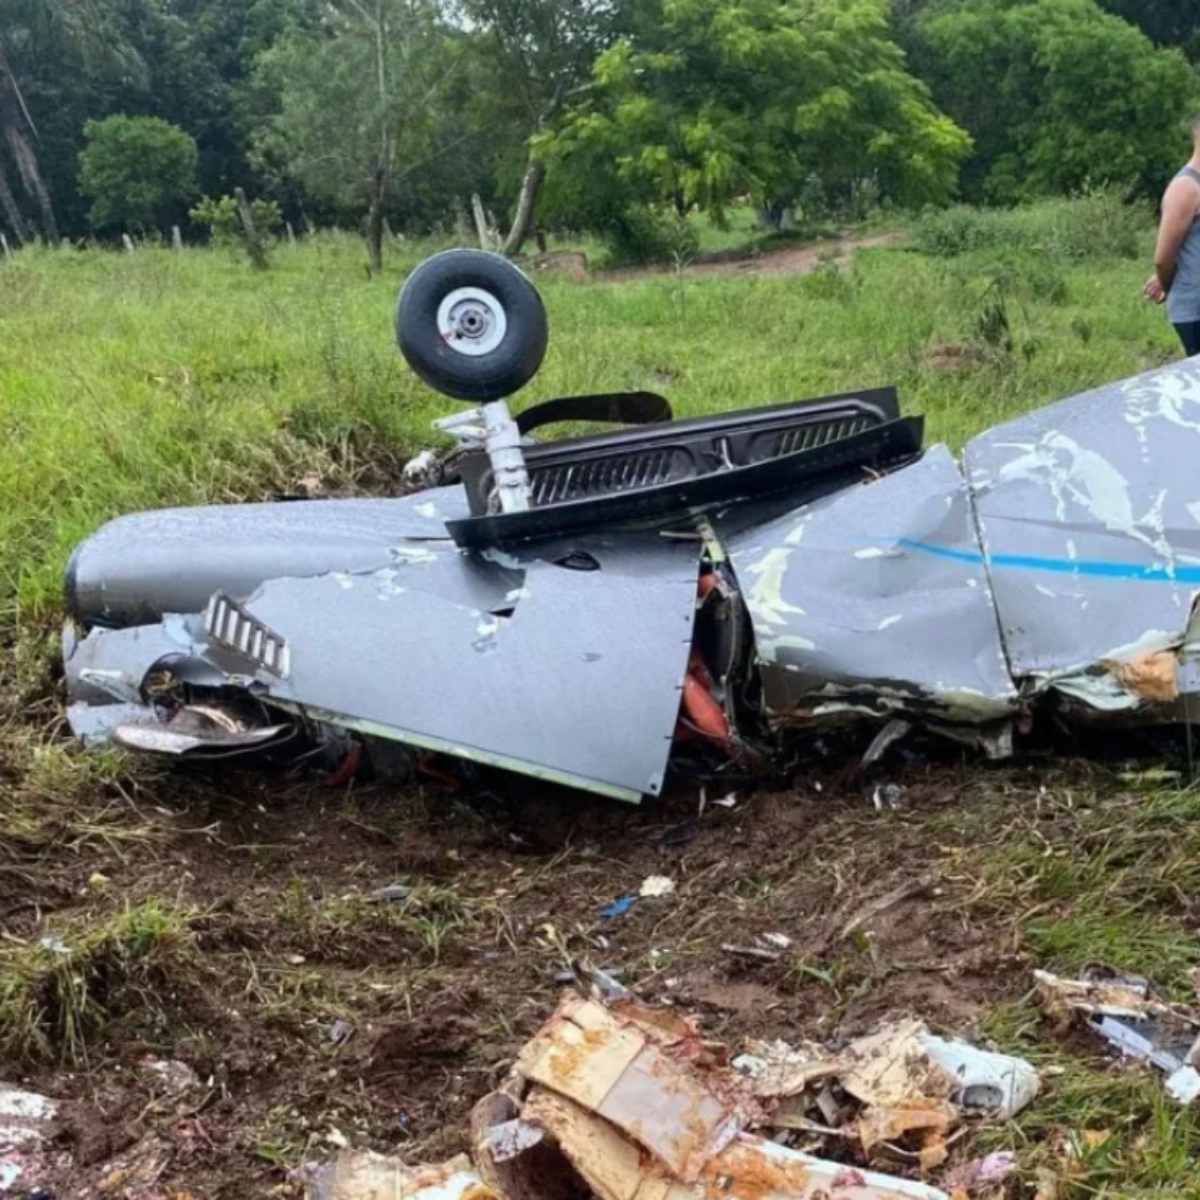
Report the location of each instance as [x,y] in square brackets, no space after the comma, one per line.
[139,567]
[580,683]
[1089,512]
[849,613]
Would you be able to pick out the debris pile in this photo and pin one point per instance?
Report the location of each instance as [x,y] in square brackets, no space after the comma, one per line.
[615,1100]
[1133,1018]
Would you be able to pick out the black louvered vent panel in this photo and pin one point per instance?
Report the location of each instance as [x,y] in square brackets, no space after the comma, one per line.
[822,433]
[602,477]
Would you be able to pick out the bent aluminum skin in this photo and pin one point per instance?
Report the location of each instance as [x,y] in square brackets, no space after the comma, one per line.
[1060,560]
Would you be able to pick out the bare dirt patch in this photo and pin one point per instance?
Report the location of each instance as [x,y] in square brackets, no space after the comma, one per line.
[312,1014]
[793,260]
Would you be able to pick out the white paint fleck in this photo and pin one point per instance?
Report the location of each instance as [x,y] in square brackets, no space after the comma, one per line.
[1041,587]
[427,509]
[765,596]
[1083,479]
[873,552]
[521,593]
[487,627]
[414,554]
[888,622]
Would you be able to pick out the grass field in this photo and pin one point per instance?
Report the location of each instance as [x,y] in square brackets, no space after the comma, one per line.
[209,921]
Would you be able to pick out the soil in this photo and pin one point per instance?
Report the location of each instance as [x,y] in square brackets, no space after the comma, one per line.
[797,260]
[435,995]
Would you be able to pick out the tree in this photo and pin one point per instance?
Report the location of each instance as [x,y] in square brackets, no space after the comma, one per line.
[358,103]
[47,48]
[138,172]
[1166,22]
[1057,95]
[712,99]
[533,57]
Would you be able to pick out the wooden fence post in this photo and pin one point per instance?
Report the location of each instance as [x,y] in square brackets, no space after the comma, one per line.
[258,254]
[7,251]
[128,242]
[176,238]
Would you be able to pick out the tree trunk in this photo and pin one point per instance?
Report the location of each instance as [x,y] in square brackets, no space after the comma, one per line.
[31,177]
[377,190]
[254,246]
[531,186]
[8,205]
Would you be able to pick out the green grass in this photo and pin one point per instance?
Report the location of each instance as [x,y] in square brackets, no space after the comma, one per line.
[132,381]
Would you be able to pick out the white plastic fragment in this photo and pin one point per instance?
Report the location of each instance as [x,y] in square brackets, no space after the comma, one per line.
[656,885]
[987,1081]
[1183,1085]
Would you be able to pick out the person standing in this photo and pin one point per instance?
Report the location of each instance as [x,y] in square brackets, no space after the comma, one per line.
[1176,278]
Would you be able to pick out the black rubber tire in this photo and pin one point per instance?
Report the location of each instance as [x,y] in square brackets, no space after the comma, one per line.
[492,376]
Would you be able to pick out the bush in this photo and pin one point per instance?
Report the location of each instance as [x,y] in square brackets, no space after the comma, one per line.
[1099,225]
[221,218]
[138,172]
[649,235]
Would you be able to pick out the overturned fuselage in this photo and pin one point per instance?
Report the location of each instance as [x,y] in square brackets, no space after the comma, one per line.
[1060,560]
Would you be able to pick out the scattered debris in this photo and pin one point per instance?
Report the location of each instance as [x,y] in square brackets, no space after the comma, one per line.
[751,952]
[391,894]
[1130,1015]
[780,941]
[656,885]
[987,1172]
[619,907]
[176,1078]
[364,1175]
[570,977]
[729,801]
[26,1127]
[615,1100]
[888,796]
[340,1032]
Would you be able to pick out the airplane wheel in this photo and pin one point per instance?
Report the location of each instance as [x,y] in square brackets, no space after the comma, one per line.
[471,325]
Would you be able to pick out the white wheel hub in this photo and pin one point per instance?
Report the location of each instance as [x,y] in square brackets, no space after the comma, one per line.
[472,321]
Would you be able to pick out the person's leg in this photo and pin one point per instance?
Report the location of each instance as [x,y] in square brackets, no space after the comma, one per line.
[1189,335]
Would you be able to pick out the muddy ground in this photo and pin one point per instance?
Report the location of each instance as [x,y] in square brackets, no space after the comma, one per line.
[314,1017]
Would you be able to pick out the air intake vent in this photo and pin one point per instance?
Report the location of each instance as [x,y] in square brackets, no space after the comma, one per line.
[605,476]
[229,625]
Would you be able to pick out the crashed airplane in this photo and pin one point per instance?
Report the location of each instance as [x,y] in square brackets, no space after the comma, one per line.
[666,597]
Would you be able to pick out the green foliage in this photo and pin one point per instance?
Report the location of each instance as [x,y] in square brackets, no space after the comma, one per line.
[1058,95]
[361,92]
[1097,226]
[707,100]
[224,223]
[647,234]
[137,172]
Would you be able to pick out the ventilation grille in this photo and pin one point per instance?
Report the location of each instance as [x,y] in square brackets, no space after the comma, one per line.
[822,433]
[578,481]
[229,625]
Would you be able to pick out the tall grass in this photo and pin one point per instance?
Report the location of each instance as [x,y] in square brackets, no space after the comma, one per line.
[1093,227]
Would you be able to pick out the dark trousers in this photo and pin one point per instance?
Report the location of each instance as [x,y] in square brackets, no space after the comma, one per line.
[1189,335]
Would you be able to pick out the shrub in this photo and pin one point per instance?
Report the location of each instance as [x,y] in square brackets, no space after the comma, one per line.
[1098,225]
